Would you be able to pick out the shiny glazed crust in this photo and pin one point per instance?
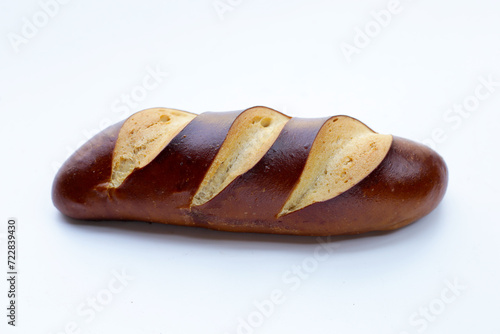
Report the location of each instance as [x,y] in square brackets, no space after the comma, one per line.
[408,184]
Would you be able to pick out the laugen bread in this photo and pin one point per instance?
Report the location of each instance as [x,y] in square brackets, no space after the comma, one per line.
[255,170]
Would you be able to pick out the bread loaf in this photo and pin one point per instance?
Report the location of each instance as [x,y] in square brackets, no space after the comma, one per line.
[255,170]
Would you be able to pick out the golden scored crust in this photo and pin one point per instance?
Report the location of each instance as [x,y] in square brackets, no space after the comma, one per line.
[255,170]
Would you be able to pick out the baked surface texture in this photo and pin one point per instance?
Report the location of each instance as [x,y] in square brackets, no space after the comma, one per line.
[254,170]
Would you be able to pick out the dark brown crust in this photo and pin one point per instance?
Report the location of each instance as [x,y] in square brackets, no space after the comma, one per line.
[408,184]
[79,188]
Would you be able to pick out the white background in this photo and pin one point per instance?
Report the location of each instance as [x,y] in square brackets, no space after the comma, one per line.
[66,70]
